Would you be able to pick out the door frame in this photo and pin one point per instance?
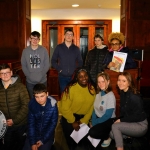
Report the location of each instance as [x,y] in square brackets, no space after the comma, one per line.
[46,24]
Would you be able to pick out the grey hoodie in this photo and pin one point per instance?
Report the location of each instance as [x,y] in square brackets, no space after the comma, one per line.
[35,64]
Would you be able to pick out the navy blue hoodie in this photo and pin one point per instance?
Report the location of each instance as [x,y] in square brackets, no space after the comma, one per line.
[65,60]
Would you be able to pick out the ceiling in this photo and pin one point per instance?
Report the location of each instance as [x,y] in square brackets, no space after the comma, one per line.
[67,4]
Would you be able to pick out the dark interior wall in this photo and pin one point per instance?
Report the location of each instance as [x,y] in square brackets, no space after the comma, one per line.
[15,27]
[135,24]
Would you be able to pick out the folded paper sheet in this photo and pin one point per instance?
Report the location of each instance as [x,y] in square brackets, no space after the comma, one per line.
[93,141]
[78,135]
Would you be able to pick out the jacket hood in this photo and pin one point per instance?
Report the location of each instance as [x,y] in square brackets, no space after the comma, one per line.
[14,78]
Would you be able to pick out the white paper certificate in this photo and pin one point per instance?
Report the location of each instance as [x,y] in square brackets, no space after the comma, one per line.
[93,141]
[78,135]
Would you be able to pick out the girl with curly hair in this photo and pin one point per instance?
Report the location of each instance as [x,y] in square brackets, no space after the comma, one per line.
[116,40]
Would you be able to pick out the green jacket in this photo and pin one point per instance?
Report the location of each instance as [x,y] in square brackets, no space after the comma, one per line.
[14,101]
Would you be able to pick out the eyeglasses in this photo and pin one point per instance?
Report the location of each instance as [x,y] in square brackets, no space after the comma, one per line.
[5,73]
[67,34]
[115,44]
[36,39]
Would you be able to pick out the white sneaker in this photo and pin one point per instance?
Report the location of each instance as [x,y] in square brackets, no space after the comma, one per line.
[106,143]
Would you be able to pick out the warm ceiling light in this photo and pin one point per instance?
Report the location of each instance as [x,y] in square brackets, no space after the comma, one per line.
[75,5]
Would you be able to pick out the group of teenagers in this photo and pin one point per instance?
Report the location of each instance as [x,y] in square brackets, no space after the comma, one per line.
[86,97]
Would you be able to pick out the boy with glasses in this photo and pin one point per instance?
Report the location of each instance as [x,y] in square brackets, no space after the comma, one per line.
[66,58]
[35,63]
[14,100]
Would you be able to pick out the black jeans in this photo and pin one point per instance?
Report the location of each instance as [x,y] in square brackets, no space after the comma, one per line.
[68,129]
[14,138]
[101,130]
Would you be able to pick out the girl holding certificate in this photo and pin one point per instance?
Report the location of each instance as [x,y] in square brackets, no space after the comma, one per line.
[116,41]
[76,106]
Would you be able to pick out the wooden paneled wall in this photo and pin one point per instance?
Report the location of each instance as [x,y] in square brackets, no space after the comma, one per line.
[15,28]
[135,24]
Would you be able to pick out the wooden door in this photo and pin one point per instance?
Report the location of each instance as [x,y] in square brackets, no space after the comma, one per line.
[84,31]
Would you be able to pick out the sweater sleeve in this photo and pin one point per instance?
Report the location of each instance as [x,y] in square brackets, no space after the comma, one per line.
[87,61]
[106,116]
[46,63]
[24,64]
[52,125]
[65,108]
[79,59]
[107,59]
[55,58]
[87,117]
[31,128]
[130,63]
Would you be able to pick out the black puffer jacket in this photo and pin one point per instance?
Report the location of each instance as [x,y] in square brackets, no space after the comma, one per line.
[94,61]
[14,101]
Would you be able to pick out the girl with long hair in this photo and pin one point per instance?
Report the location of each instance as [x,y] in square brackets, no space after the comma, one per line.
[133,122]
[76,105]
[104,110]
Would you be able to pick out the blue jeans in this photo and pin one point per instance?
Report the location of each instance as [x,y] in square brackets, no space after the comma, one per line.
[63,81]
[46,146]
[30,87]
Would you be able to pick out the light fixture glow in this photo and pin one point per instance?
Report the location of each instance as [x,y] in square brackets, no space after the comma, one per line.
[75,5]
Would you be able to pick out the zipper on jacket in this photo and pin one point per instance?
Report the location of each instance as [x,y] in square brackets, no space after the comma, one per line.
[7,104]
[41,122]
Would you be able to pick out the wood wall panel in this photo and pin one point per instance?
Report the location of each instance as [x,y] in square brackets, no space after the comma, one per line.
[9,53]
[9,10]
[135,24]
[139,9]
[15,27]
[8,29]
[28,8]
[123,25]
[25,24]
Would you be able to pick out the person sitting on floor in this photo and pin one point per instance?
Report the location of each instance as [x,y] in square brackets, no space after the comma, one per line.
[76,105]
[116,40]
[133,122]
[104,110]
